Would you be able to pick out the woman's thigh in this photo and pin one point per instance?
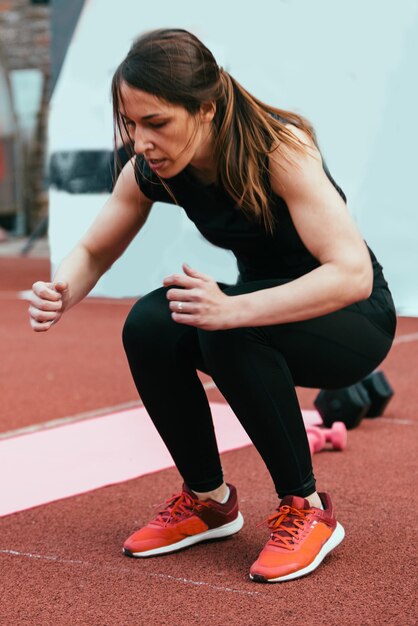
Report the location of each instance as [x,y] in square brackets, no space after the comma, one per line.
[333,350]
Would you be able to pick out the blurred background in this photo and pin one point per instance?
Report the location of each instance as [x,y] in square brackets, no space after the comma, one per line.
[34,37]
[25,72]
[349,67]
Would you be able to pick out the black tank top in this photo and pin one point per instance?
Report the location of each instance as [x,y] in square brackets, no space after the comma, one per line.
[259,254]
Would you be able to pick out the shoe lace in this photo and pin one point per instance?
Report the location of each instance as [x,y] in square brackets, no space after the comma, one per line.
[285,524]
[178,506]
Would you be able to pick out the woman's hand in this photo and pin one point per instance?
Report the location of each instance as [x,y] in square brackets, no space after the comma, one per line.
[47,304]
[198,301]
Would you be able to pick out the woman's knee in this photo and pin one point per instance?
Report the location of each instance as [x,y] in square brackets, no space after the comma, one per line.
[147,319]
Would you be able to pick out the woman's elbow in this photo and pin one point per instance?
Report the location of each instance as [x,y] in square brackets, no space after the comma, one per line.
[367,289]
[362,282]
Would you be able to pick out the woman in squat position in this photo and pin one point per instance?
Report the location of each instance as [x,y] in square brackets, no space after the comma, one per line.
[311,306]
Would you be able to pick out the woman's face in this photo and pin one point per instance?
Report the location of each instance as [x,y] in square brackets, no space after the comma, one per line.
[169,137]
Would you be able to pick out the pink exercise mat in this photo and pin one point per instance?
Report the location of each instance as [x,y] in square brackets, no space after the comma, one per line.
[52,464]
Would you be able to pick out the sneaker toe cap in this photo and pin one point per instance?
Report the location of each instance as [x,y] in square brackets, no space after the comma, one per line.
[269,566]
[144,540]
[269,573]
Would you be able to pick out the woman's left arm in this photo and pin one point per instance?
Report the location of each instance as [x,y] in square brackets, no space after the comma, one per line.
[321,218]
[323,222]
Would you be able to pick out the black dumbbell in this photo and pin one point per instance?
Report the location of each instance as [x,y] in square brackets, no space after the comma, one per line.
[367,398]
[348,405]
[380,392]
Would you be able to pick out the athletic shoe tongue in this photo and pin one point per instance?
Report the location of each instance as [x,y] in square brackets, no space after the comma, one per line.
[295,502]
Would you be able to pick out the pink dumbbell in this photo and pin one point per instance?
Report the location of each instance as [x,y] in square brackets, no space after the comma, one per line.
[316,439]
[336,435]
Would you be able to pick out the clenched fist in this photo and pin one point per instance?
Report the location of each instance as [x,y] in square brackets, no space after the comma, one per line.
[47,304]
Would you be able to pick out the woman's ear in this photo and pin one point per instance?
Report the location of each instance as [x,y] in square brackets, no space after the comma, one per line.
[207,111]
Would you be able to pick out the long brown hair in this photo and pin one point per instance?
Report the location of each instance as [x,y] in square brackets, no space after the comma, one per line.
[174,65]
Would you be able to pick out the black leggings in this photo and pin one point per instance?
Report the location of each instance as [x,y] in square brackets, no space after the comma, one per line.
[256,369]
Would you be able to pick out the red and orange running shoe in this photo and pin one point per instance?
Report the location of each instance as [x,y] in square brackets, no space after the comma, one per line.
[184,521]
[301,536]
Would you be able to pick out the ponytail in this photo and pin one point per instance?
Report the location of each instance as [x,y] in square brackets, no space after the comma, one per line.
[247,132]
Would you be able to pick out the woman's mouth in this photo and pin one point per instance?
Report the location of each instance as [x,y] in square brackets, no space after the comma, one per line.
[156,164]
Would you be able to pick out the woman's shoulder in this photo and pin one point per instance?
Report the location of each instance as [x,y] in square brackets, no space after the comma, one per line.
[295,156]
[298,162]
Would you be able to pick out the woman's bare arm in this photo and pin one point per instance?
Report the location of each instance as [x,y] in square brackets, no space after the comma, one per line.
[325,226]
[120,220]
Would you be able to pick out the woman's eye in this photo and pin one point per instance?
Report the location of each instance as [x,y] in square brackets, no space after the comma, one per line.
[160,125]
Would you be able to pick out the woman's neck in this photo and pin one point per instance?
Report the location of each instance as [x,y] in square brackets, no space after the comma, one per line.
[203,165]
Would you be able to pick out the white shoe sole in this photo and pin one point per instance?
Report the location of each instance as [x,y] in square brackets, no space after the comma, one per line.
[215,533]
[335,539]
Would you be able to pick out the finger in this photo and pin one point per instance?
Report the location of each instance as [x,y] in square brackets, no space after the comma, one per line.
[191,320]
[190,271]
[45,305]
[180,280]
[45,291]
[184,318]
[42,316]
[181,295]
[182,307]
[61,287]
[40,327]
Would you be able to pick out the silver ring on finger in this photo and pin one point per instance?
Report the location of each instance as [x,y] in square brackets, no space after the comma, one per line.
[179,306]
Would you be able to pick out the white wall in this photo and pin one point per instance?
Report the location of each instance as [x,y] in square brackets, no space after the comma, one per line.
[349,66]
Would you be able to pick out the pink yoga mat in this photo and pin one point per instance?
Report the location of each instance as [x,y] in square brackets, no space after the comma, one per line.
[76,458]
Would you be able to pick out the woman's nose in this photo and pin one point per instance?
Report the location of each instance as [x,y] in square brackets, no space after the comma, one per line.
[141,143]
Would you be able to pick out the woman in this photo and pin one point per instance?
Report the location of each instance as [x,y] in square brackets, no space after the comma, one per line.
[311,306]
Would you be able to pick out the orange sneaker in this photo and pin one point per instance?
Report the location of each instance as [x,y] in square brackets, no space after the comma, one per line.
[184,521]
[301,536]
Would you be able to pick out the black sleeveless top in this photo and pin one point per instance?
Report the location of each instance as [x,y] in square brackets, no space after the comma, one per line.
[259,254]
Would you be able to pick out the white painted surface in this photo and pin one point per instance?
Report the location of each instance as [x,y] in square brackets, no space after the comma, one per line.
[350,67]
[26,87]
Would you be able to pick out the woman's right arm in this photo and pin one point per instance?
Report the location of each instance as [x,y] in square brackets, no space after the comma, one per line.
[120,220]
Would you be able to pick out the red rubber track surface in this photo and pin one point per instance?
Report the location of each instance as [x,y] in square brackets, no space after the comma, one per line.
[61,563]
